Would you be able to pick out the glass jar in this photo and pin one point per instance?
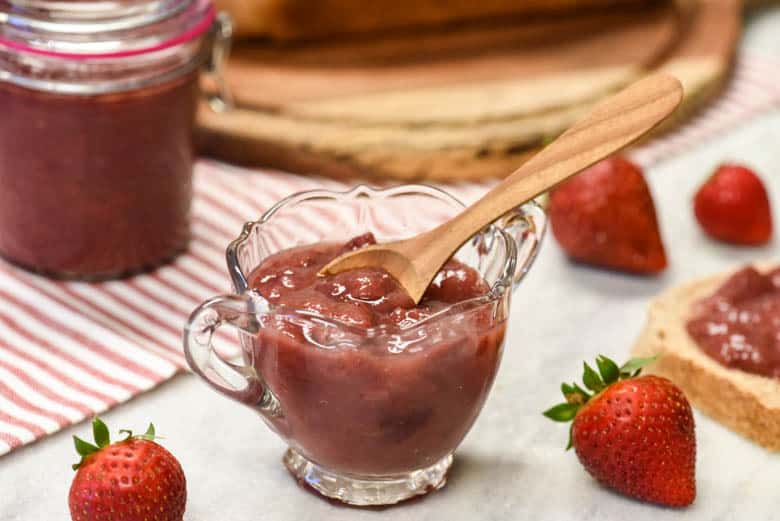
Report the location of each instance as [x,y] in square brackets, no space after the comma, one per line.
[372,415]
[98,102]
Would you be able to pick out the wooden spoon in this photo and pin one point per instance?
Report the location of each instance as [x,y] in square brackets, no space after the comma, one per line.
[610,126]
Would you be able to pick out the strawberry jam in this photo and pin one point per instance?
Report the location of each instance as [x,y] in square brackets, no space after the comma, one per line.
[97,110]
[739,325]
[96,186]
[370,383]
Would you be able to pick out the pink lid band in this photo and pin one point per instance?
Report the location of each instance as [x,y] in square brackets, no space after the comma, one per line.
[195,31]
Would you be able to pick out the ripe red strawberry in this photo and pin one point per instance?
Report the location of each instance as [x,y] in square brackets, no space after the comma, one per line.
[605,216]
[733,206]
[635,434]
[133,480]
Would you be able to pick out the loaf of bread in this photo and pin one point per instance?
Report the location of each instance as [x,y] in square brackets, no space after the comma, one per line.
[311,19]
[746,403]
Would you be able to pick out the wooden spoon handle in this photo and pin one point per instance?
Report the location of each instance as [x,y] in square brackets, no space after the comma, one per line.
[611,125]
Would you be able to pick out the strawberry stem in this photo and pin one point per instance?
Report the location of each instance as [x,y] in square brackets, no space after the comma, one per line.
[591,379]
[103,439]
[608,369]
[100,432]
[576,396]
[633,367]
[149,435]
[84,449]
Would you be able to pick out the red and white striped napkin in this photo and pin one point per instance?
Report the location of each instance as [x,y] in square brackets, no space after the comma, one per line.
[69,350]
[754,88]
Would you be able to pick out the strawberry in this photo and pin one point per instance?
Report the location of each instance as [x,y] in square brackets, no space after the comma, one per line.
[134,479]
[634,434]
[605,216]
[733,206]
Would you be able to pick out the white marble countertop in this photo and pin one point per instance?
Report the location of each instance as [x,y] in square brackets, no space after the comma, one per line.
[512,465]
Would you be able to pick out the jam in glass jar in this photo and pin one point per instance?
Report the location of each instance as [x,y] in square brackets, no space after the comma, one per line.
[98,102]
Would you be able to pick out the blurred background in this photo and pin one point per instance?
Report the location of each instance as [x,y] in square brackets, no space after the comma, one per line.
[447,90]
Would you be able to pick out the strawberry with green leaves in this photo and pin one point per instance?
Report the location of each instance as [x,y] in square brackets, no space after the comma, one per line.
[133,479]
[634,434]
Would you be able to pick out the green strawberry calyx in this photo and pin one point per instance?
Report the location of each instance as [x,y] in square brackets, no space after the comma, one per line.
[608,373]
[103,439]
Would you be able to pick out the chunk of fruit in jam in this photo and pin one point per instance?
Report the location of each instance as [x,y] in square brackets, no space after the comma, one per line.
[363,297]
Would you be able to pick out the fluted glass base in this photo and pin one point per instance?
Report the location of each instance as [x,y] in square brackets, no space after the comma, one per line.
[367,491]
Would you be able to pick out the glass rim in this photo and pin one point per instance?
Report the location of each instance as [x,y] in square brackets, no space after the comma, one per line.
[241,286]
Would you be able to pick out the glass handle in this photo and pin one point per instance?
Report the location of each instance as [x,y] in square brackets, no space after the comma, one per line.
[220,100]
[238,381]
[527,224]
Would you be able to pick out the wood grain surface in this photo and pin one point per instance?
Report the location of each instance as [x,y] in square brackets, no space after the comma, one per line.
[308,19]
[459,103]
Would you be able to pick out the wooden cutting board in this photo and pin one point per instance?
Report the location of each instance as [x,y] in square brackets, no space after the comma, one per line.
[461,103]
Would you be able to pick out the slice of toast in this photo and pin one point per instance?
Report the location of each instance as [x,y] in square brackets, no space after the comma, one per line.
[746,403]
